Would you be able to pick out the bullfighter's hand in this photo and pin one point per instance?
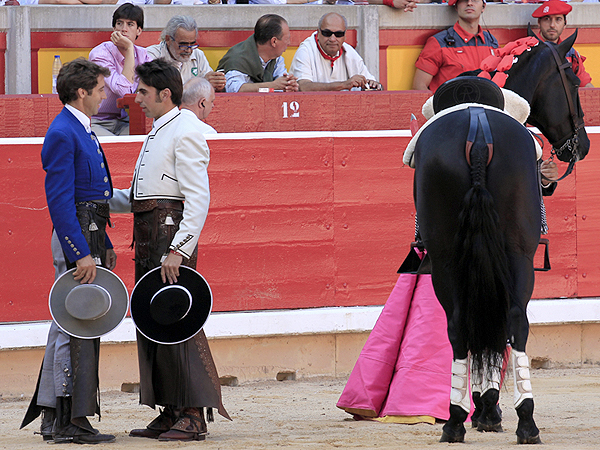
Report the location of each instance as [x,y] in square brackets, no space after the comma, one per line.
[111,259]
[86,270]
[170,268]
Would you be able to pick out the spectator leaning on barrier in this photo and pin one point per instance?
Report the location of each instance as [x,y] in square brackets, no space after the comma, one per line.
[458,49]
[199,98]
[552,19]
[324,62]
[121,56]
[257,62]
[178,46]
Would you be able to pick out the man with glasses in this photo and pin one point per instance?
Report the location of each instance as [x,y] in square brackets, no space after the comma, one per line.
[257,62]
[121,56]
[324,62]
[178,46]
[458,49]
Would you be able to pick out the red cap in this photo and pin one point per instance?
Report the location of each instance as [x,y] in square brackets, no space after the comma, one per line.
[552,7]
[453,2]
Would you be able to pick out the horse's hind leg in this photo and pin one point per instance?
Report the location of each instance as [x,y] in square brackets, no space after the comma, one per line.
[460,404]
[527,431]
[489,418]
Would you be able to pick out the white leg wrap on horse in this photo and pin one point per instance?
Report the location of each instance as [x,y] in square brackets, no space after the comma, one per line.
[459,393]
[520,364]
[490,378]
[476,380]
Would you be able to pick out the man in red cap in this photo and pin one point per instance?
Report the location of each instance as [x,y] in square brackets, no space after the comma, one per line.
[458,49]
[552,19]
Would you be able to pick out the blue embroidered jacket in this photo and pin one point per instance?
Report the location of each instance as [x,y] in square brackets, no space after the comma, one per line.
[76,171]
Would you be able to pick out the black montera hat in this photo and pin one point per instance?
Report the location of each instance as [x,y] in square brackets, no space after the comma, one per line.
[171,313]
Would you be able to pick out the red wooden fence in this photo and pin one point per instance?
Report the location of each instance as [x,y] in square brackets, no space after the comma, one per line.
[295,222]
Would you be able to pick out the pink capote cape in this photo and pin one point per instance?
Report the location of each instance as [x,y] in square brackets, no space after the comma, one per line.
[404,369]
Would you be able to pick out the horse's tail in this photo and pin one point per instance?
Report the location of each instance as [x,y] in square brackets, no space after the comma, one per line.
[482,273]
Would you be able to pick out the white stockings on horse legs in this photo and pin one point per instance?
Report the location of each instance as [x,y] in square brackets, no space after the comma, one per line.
[459,394]
[520,364]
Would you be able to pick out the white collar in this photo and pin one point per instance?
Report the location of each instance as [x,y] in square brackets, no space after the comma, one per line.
[80,115]
[165,118]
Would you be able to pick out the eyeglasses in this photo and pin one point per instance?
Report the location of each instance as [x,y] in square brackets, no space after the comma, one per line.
[186,45]
[337,34]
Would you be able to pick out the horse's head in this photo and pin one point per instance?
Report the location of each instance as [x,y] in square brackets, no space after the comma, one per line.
[546,80]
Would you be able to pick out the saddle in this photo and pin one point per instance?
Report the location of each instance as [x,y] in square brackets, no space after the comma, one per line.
[467,89]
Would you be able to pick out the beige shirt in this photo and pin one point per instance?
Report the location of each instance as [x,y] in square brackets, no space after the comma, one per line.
[196,66]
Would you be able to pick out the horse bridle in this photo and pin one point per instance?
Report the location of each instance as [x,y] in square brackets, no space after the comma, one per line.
[571,144]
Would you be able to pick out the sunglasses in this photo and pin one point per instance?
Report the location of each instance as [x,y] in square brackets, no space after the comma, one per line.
[337,34]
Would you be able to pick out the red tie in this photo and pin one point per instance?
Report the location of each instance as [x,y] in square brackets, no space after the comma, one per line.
[326,56]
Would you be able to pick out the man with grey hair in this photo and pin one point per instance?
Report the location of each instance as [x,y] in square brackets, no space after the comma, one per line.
[199,98]
[178,45]
[324,62]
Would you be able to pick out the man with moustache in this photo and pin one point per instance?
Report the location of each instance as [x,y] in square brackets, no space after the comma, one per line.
[178,45]
[78,187]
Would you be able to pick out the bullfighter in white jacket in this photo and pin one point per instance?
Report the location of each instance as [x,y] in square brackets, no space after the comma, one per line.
[171,170]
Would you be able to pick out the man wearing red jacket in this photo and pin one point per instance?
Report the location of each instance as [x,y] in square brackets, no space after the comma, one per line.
[552,19]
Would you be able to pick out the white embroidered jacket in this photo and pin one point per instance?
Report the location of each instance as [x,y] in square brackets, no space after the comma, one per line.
[173,165]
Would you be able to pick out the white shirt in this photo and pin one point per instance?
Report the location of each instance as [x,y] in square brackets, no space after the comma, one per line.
[202,126]
[79,115]
[235,78]
[309,64]
[196,66]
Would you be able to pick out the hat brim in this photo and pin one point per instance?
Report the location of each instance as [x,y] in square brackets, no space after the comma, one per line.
[89,329]
[183,329]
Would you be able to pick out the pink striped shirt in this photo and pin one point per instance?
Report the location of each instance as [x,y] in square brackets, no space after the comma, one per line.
[108,55]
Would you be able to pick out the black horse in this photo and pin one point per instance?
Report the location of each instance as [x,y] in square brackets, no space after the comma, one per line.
[480,223]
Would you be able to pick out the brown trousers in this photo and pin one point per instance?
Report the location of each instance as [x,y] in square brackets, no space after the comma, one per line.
[180,375]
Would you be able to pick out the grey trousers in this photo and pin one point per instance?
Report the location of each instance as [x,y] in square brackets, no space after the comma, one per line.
[56,379]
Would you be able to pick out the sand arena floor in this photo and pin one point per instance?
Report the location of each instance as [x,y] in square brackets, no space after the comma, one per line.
[302,415]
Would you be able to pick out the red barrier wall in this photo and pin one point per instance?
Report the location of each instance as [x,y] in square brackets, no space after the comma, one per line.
[2,62]
[295,222]
[30,115]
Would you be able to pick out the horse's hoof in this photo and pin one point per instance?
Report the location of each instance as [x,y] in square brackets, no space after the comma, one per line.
[494,427]
[529,440]
[452,437]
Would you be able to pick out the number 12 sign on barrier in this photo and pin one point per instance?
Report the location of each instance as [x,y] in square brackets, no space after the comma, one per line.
[293,110]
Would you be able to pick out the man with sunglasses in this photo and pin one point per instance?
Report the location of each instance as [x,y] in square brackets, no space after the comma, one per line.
[121,56]
[257,62]
[324,62]
[178,46]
